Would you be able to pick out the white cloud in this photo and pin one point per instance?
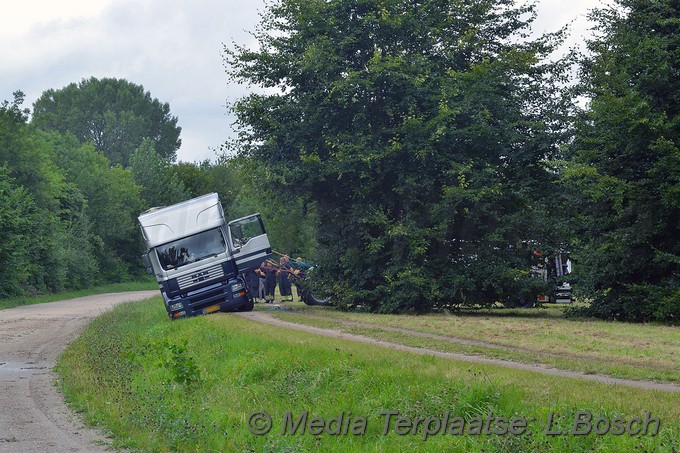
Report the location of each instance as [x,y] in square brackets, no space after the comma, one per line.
[20,17]
[173,48]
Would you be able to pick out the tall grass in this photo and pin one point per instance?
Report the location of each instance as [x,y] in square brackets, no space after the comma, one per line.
[190,385]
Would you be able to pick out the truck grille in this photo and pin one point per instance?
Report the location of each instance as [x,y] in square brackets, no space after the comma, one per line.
[210,273]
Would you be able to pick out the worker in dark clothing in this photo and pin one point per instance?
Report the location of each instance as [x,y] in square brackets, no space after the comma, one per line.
[285,286]
[253,282]
[270,282]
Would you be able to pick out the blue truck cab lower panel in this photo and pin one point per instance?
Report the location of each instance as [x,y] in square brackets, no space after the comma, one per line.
[228,292]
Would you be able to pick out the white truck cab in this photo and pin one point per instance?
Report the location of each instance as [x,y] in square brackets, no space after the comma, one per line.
[198,259]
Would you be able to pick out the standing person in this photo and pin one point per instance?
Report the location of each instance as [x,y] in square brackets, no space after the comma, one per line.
[270,282]
[262,286]
[253,282]
[285,286]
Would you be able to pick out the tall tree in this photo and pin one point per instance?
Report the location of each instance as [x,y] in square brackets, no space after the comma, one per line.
[289,220]
[160,184]
[30,158]
[114,114]
[17,220]
[195,177]
[627,163]
[45,238]
[419,132]
[113,202]
[223,177]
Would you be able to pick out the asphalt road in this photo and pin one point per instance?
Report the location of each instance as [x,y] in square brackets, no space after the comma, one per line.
[33,416]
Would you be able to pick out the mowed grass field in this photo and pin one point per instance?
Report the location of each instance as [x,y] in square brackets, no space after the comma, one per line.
[214,383]
[539,335]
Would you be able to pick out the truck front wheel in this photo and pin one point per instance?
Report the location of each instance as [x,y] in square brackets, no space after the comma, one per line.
[310,298]
[248,305]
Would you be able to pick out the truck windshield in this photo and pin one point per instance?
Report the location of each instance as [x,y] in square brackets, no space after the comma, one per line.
[191,249]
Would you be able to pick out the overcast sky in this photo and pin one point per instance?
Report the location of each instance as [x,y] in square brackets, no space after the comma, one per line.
[171,47]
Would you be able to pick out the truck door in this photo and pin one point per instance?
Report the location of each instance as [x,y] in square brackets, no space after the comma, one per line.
[249,242]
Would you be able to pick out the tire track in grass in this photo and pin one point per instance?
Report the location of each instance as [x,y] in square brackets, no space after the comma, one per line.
[268,318]
[473,343]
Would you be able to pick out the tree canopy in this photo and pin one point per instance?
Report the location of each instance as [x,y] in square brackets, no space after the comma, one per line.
[114,114]
[425,156]
[419,132]
[160,185]
[626,164]
[68,218]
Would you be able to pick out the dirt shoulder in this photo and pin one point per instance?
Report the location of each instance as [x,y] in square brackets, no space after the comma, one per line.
[33,416]
[269,318]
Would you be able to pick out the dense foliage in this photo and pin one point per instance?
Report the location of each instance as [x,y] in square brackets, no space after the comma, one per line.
[422,154]
[114,114]
[16,222]
[419,132]
[161,186]
[68,215]
[51,236]
[626,168]
[289,220]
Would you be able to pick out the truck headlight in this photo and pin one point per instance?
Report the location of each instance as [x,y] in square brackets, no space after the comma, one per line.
[176,306]
[236,287]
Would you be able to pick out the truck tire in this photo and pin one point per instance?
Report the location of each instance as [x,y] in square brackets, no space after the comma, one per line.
[525,302]
[310,298]
[248,306]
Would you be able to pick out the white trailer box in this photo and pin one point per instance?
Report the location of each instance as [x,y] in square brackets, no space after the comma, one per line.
[162,225]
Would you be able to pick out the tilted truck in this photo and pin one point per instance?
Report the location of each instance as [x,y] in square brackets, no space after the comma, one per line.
[198,258]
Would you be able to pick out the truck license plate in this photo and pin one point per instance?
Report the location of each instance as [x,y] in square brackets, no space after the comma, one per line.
[211,309]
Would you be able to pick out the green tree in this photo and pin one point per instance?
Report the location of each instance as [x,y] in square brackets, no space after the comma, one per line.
[289,220]
[195,177]
[28,155]
[113,202]
[626,168]
[161,186]
[114,114]
[79,244]
[17,222]
[68,217]
[51,247]
[228,178]
[419,133]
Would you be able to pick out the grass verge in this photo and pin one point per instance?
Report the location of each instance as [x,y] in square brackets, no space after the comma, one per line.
[190,385]
[110,288]
[607,360]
